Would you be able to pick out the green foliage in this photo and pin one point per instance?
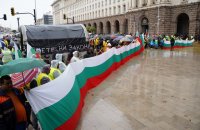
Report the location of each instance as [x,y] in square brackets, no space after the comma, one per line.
[88,28]
[91,29]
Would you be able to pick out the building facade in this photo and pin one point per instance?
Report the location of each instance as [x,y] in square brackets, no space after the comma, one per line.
[46,19]
[130,16]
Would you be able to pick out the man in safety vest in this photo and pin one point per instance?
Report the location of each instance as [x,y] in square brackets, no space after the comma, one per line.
[7,56]
[44,77]
[96,42]
[104,45]
[54,71]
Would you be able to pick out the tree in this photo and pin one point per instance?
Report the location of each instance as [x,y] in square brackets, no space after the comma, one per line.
[88,28]
[91,29]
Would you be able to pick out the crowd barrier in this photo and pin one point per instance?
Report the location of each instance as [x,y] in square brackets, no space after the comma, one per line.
[58,104]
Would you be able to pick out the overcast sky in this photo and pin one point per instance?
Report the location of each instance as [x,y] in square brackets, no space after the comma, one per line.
[21,6]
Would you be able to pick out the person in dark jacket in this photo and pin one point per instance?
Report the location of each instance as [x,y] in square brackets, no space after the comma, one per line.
[13,112]
[172,41]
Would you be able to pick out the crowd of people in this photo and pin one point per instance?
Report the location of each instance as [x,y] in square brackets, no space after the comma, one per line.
[7,49]
[157,41]
[15,111]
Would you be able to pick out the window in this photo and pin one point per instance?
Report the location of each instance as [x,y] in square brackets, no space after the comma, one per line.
[124,8]
[109,11]
[114,10]
[136,3]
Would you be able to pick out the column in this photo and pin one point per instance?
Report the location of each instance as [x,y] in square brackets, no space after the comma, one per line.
[98,29]
[149,2]
[133,3]
[130,4]
[112,27]
[140,3]
[158,1]
[121,28]
[104,28]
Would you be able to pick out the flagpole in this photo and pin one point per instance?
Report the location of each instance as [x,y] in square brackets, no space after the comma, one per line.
[35,12]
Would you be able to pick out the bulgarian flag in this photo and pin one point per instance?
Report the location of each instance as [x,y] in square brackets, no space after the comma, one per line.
[178,44]
[18,53]
[142,38]
[30,51]
[58,104]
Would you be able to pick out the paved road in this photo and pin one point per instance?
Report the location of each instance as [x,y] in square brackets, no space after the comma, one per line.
[158,90]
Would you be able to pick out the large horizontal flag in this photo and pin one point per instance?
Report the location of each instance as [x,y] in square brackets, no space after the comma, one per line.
[58,104]
[178,44]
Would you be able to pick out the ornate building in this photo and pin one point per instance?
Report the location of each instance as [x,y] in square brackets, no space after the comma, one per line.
[130,16]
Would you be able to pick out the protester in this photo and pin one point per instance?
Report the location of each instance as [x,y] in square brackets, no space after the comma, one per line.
[172,41]
[38,53]
[108,46]
[75,57]
[7,56]
[61,66]
[13,112]
[59,57]
[44,77]
[105,43]
[54,71]
[69,57]
[47,59]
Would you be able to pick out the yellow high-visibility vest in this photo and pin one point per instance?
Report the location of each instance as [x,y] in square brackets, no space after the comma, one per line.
[51,74]
[40,76]
[7,56]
